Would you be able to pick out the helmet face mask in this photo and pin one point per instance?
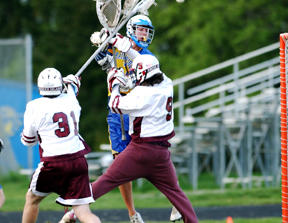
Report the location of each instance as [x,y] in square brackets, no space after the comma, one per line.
[50,82]
[140,30]
[144,67]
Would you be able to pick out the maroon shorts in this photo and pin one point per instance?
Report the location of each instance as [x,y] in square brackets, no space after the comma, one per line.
[68,178]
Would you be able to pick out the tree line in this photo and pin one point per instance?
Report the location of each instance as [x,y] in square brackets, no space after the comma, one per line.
[188,37]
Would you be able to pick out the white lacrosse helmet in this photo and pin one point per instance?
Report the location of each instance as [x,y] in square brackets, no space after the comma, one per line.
[50,82]
[140,30]
[144,67]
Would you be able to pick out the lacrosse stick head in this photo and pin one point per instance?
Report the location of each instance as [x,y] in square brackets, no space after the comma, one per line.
[108,12]
[145,5]
[128,6]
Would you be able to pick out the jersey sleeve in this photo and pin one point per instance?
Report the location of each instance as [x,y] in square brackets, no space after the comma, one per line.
[29,133]
[135,103]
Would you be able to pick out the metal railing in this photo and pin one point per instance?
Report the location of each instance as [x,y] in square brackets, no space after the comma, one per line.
[229,123]
[236,83]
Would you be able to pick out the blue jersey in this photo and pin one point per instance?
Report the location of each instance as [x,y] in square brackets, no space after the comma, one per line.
[113,119]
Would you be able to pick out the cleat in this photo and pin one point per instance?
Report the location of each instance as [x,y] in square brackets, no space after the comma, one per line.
[68,217]
[136,218]
[175,215]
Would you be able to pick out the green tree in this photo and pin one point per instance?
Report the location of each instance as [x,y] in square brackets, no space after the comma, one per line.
[188,37]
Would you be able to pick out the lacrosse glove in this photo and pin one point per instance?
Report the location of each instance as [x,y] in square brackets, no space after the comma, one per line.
[104,60]
[74,81]
[122,43]
[116,77]
[97,38]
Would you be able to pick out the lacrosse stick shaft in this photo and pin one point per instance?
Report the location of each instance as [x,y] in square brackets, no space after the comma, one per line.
[137,8]
[123,136]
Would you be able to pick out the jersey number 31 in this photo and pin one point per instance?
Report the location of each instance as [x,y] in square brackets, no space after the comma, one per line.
[63,124]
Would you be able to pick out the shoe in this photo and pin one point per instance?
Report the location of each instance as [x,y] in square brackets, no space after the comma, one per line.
[68,217]
[136,218]
[175,215]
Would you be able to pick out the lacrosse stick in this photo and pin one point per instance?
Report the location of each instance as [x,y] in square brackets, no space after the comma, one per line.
[108,13]
[142,7]
[123,135]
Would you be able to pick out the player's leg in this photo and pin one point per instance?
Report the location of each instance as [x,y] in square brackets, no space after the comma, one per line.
[118,145]
[165,179]
[31,208]
[2,196]
[34,195]
[125,168]
[175,214]
[126,192]
[76,192]
[127,195]
[177,197]
[85,215]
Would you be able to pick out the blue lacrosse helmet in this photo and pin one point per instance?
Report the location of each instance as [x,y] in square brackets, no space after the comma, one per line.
[140,30]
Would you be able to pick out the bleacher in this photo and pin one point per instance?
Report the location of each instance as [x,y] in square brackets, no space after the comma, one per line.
[229,124]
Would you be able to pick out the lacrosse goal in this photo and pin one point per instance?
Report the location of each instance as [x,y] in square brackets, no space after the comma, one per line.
[283,118]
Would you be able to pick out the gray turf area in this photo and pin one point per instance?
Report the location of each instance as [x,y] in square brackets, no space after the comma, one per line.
[158,214]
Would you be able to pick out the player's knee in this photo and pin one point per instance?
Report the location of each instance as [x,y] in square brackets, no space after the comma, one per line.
[33,199]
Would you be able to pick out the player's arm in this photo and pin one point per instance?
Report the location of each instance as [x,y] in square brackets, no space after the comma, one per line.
[72,84]
[132,102]
[29,134]
[105,58]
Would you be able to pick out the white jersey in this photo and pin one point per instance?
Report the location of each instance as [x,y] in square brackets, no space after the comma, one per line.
[149,108]
[55,122]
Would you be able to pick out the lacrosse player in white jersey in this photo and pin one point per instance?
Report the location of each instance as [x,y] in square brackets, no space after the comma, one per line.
[53,122]
[149,106]
[140,33]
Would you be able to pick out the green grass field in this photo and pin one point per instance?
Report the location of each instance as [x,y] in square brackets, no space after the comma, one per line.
[15,187]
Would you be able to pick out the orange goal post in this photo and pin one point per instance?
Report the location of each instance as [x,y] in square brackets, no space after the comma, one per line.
[283,119]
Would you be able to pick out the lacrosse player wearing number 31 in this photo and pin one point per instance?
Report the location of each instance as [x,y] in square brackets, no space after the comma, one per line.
[53,121]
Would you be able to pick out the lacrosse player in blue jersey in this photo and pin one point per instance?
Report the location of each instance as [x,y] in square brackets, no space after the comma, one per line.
[140,32]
